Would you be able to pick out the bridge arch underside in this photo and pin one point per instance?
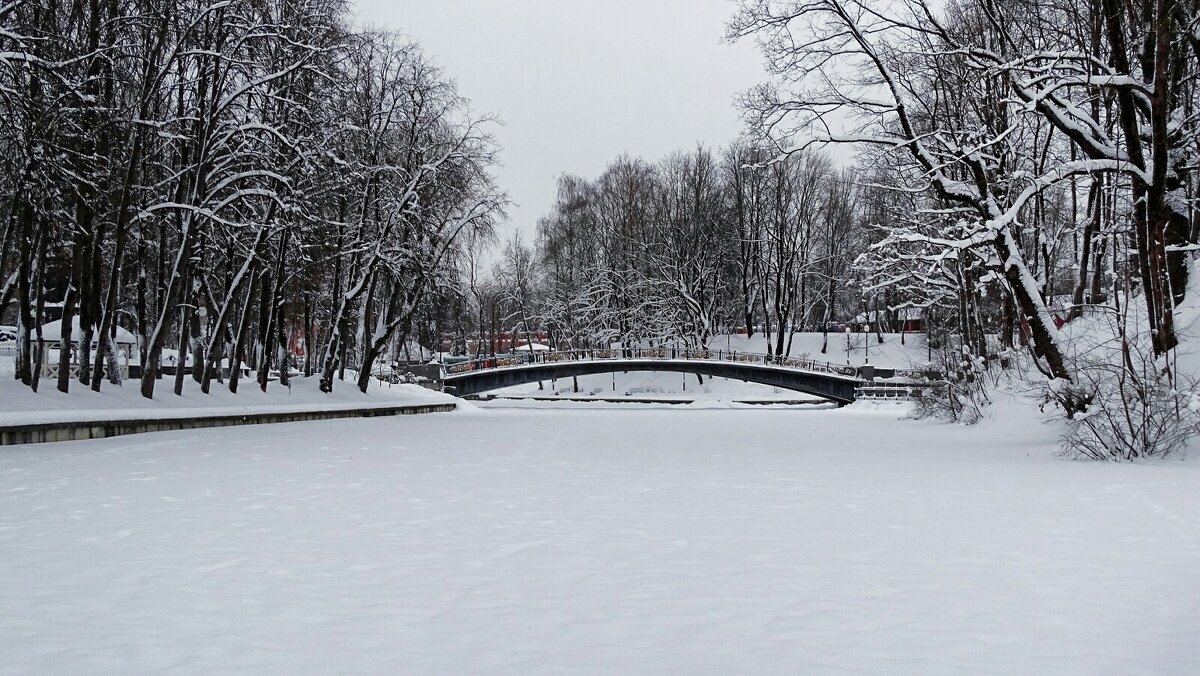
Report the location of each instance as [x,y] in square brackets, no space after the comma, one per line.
[834,388]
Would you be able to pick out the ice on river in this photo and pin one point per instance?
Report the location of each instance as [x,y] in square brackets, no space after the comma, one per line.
[592,541]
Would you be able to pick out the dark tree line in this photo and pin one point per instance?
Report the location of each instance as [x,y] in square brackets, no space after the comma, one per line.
[219,177]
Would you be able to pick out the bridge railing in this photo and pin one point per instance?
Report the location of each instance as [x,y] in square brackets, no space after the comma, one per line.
[663,353]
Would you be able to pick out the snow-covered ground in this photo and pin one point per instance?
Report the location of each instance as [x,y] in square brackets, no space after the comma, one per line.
[896,351]
[681,540]
[18,405]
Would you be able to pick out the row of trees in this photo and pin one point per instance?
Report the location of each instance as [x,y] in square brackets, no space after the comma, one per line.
[687,248]
[1035,148]
[222,175]
[707,242]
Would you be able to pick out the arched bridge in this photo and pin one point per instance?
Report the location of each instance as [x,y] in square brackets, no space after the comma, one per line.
[822,379]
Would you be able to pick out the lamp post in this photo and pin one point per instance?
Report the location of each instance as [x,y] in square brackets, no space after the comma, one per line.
[847,345]
[202,313]
[867,343]
[202,319]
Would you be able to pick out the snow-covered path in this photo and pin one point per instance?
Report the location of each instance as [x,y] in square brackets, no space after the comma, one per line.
[591,541]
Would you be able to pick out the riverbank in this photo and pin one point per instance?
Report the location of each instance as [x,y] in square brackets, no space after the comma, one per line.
[123,403]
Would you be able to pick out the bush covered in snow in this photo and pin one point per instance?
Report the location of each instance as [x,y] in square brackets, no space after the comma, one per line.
[1141,406]
[963,396]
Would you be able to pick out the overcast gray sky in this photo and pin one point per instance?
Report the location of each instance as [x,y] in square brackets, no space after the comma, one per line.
[577,82]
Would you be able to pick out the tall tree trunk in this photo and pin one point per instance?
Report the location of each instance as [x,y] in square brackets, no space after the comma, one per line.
[266,315]
[236,348]
[216,343]
[65,335]
[39,349]
[174,288]
[1095,194]
[141,302]
[185,335]
[308,335]
[24,370]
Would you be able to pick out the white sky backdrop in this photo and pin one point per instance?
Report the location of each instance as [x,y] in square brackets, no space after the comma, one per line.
[578,82]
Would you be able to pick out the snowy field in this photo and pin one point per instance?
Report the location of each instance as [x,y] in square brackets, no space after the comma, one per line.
[597,541]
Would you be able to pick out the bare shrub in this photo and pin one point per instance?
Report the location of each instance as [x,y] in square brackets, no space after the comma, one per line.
[963,394]
[1140,407]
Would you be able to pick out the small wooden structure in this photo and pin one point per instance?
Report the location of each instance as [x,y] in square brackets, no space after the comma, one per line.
[52,337]
[532,347]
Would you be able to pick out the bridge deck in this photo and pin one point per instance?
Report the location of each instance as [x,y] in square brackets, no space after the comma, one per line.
[822,379]
[617,362]
[656,354]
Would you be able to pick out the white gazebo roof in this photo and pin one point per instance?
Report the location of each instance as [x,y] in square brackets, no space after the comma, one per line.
[52,332]
[533,346]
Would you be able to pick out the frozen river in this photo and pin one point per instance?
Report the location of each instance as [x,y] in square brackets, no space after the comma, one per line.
[588,541]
